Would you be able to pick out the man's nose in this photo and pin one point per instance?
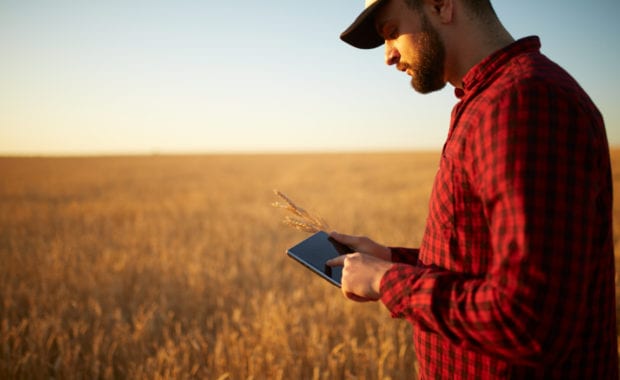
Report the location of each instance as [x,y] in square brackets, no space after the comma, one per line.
[392,56]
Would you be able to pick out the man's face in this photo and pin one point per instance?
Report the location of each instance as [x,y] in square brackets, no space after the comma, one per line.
[413,45]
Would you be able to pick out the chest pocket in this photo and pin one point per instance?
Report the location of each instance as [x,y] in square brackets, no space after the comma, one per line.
[442,204]
[456,236]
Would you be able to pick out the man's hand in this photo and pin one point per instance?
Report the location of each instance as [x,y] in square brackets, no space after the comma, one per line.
[365,245]
[362,271]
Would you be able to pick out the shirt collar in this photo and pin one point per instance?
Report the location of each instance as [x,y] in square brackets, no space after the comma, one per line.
[485,68]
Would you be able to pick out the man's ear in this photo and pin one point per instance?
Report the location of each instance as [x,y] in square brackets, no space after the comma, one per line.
[443,9]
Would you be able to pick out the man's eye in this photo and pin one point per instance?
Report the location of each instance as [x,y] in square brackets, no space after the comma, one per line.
[392,34]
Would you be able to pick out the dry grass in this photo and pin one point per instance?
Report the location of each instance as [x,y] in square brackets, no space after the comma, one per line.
[174,267]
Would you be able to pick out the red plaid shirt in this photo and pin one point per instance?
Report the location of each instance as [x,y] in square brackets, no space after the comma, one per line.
[515,274]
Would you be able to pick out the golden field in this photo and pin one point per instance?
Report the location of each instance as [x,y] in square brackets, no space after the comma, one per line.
[175,266]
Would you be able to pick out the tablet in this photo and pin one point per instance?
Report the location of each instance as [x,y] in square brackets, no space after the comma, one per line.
[315,251]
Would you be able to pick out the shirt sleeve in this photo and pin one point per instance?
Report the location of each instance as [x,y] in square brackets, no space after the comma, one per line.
[404,255]
[540,174]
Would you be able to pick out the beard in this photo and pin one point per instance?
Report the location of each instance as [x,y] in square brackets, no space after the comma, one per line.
[427,72]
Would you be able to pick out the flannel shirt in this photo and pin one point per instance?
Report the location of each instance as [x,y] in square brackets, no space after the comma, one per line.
[515,274]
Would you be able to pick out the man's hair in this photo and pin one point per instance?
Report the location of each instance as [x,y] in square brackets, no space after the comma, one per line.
[479,8]
[414,4]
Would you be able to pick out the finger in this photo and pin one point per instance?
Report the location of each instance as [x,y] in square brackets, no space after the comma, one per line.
[355,297]
[336,261]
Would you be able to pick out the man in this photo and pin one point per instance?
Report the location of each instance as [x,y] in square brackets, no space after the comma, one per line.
[515,274]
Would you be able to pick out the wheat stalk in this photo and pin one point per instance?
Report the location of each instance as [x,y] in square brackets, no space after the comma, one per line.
[303,220]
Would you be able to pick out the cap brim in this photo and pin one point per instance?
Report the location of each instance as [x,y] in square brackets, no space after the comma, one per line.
[362,33]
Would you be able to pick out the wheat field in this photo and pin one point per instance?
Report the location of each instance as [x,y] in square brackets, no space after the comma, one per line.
[175,267]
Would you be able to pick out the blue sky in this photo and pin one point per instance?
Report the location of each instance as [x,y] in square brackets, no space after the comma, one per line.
[194,76]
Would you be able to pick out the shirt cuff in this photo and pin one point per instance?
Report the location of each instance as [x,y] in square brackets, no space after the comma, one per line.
[396,289]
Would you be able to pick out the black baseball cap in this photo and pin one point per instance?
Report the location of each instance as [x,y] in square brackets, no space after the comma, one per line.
[362,33]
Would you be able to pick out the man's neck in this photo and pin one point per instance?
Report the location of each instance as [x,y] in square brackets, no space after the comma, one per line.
[470,43]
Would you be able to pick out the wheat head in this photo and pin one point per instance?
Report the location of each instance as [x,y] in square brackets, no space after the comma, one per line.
[303,220]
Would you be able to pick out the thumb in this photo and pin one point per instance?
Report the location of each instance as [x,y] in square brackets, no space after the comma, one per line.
[349,240]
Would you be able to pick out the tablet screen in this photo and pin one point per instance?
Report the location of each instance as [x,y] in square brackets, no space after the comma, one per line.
[315,251]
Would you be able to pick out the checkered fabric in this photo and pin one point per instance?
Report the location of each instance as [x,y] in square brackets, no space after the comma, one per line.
[514,278]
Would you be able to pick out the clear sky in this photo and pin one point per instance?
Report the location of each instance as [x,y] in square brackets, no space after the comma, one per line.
[108,77]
